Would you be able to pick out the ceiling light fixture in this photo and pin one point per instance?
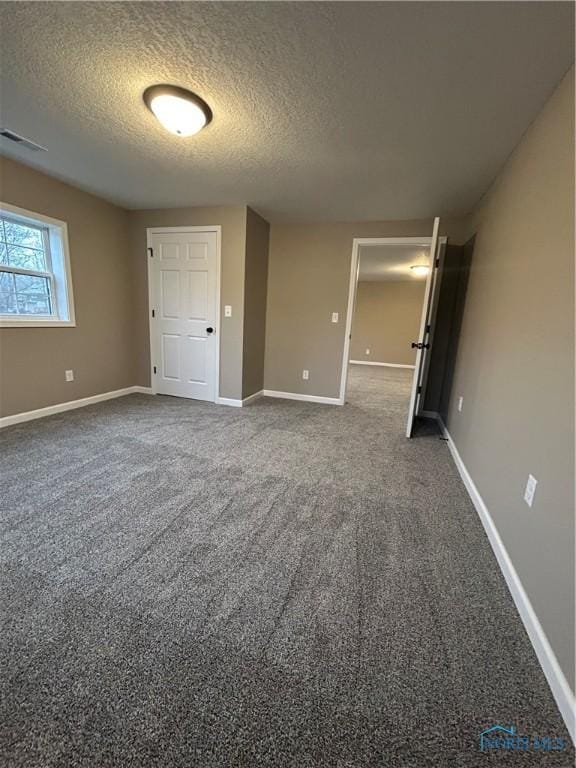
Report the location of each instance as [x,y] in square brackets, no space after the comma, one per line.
[420,269]
[180,111]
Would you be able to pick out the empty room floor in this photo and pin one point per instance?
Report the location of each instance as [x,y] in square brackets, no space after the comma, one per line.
[286,584]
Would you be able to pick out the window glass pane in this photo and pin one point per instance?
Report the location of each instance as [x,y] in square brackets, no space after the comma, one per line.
[26,258]
[32,295]
[20,234]
[8,305]
[3,254]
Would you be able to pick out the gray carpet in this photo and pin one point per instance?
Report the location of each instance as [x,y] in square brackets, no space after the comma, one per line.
[287,584]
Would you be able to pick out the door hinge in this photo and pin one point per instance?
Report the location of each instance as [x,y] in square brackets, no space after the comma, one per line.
[153,313]
[437,262]
[154,369]
[419,391]
[151,252]
[428,327]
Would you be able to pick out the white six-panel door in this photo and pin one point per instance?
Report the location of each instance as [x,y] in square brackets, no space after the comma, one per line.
[183,294]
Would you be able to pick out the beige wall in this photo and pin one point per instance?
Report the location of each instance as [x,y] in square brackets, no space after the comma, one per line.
[100,349]
[387,320]
[255,288]
[308,279]
[515,365]
[232,219]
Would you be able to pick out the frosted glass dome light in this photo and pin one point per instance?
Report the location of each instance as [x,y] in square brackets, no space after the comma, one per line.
[181,112]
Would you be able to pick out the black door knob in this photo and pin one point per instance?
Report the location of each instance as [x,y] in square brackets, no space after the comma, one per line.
[210,330]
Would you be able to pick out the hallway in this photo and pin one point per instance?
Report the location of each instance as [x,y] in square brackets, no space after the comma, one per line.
[286,584]
[379,387]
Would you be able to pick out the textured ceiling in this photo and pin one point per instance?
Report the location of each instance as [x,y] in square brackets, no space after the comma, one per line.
[334,111]
[391,262]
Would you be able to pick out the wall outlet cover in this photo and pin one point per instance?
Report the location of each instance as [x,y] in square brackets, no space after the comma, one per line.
[367,351]
[305,374]
[460,403]
[69,375]
[334,317]
[227,310]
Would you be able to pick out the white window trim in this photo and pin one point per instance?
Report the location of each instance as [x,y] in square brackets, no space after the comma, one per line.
[64,300]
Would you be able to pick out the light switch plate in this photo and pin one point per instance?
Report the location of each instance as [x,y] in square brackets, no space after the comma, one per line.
[368,351]
[69,375]
[334,317]
[305,374]
[227,310]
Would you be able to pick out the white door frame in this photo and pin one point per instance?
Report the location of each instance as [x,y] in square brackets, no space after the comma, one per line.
[150,231]
[357,242]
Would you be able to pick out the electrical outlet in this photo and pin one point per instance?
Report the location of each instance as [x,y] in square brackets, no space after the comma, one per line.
[460,403]
[334,317]
[227,310]
[69,375]
[305,374]
[530,490]
[367,351]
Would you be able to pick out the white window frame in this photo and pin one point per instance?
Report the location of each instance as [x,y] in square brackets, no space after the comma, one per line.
[58,261]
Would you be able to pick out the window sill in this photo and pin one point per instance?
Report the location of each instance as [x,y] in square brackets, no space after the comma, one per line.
[6,322]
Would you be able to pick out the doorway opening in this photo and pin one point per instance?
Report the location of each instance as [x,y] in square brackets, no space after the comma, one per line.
[393,297]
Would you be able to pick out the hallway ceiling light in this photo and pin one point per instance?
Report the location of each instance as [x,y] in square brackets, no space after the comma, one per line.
[180,111]
[420,269]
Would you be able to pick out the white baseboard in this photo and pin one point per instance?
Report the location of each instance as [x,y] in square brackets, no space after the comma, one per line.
[229,401]
[557,681]
[140,390]
[386,365]
[239,403]
[39,413]
[305,398]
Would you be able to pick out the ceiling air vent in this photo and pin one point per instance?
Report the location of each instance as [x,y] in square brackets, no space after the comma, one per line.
[22,140]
